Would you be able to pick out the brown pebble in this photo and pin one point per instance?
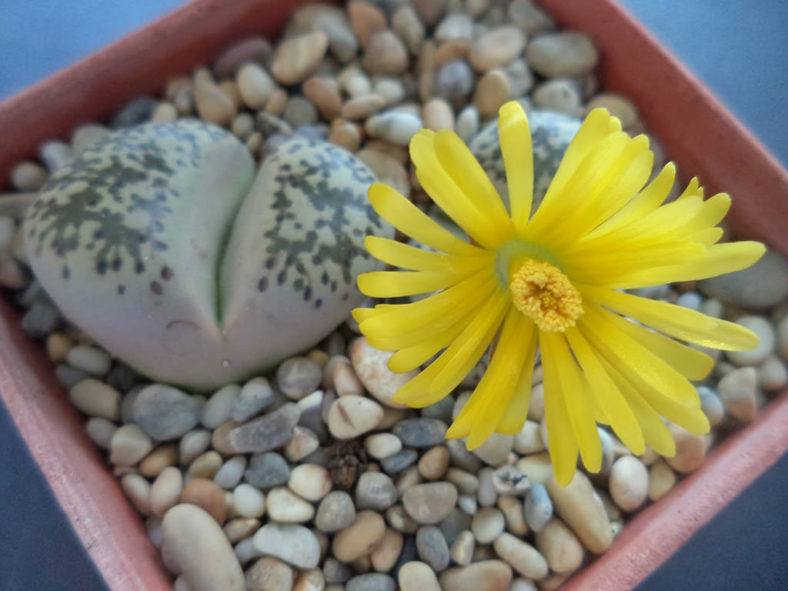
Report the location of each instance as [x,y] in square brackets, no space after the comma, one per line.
[492,91]
[214,105]
[208,496]
[346,134]
[437,114]
[160,458]
[690,450]
[496,48]
[453,49]
[297,57]
[251,49]
[386,169]
[406,23]
[365,20]
[385,55]
[255,86]
[277,103]
[324,93]
[361,107]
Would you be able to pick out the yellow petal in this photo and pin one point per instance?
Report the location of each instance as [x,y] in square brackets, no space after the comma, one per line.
[689,362]
[470,177]
[721,259]
[517,411]
[665,390]
[450,368]
[410,220]
[514,134]
[655,433]
[607,395]
[560,436]
[404,256]
[489,401]
[398,326]
[676,321]
[395,284]
[451,198]
[576,393]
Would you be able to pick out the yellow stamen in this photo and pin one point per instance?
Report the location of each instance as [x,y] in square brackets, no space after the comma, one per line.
[544,293]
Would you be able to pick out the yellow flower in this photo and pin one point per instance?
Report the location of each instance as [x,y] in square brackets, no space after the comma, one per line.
[552,282]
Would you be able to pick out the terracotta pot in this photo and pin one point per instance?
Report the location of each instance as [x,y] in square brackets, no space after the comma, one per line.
[695,129]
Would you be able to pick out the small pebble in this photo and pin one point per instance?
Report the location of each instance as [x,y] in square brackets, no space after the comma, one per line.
[96,399]
[137,490]
[265,433]
[310,481]
[192,444]
[432,547]
[628,483]
[213,104]
[205,465]
[201,550]
[430,503]
[284,506]
[298,376]
[295,58]
[454,80]
[738,392]
[325,95]
[382,445]
[514,515]
[485,575]
[455,26]
[434,463]
[335,512]
[350,416]
[387,551]
[371,582]
[250,49]
[661,480]
[579,507]
[487,525]
[248,501]
[562,54]
[559,94]
[28,176]
[129,445]
[690,450]
[757,287]
[773,374]
[359,538]
[267,470]
[711,405]
[255,396]
[766,341]
[269,574]
[206,495]
[420,432]
[496,47]
[365,20]
[218,407]
[136,111]
[538,507]
[100,431]
[521,556]
[375,491]
[166,490]
[291,543]
[417,576]
[164,412]
[254,85]
[394,126]
[463,547]
[385,54]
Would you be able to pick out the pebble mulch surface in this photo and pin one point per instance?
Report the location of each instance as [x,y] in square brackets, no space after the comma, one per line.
[309,477]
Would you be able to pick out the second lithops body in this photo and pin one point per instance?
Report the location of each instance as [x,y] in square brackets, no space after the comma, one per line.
[161,244]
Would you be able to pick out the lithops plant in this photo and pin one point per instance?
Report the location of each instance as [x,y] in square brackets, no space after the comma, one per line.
[165,245]
[551,134]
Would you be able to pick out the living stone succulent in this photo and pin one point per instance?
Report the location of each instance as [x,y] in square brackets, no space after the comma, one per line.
[164,244]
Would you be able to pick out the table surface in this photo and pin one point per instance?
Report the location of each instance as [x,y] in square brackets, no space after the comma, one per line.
[737,48]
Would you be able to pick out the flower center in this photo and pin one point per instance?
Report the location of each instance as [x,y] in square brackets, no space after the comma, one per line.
[544,293]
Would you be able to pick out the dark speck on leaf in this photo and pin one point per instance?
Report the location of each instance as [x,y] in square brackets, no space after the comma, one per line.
[262,285]
[281,277]
[345,296]
[156,287]
[307,294]
[101,267]
[166,273]
[66,273]
[318,303]
[270,262]
[139,268]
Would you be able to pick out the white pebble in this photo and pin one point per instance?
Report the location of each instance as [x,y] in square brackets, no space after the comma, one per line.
[89,359]
[129,445]
[248,501]
[765,332]
[96,399]
[628,483]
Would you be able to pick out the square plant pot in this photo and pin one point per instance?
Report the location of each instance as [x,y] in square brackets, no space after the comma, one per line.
[695,130]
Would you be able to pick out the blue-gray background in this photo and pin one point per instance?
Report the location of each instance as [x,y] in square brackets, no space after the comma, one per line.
[737,47]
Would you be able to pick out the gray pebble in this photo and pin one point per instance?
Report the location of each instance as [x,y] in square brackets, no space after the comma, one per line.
[432,547]
[371,582]
[255,396]
[265,433]
[335,571]
[760,286]
[335,512]
[562,54]
[399,461]
[231,472]
[165,412]
[441,410]
[461,457]
[298,376]
[407,554]
[40,319]
[394,126]
[122,377]
[217,410]
[375,491]
[267,470]
[420,432]
[538,507]
[299,111]
[559,94]
[100,431]
[55,155]
[711,405]
[138,110]
[68,376]
[454,524]
[454,80]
